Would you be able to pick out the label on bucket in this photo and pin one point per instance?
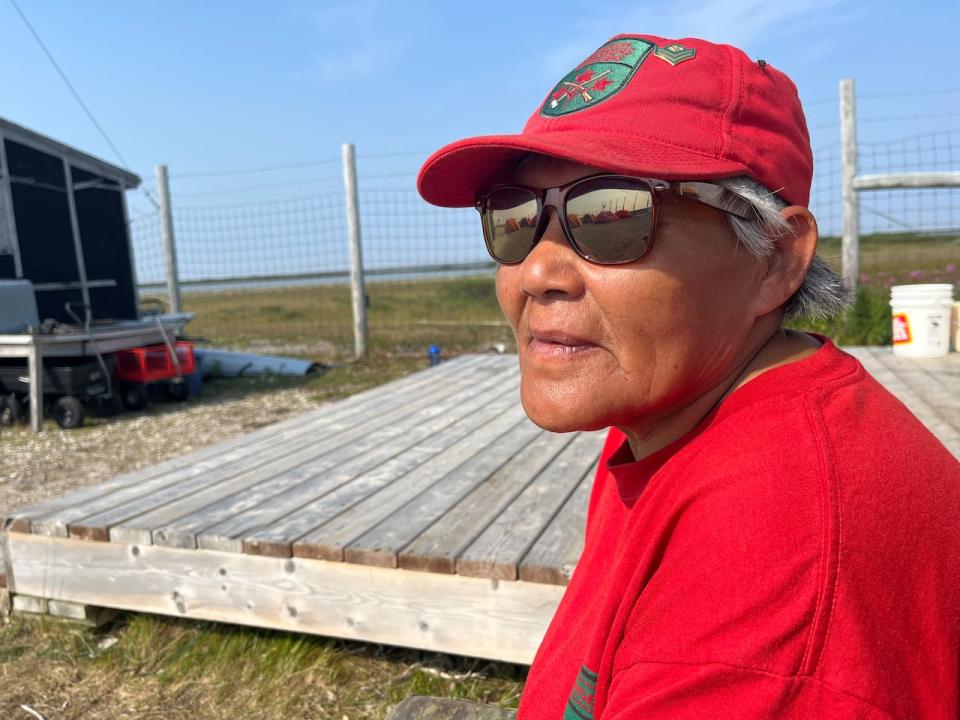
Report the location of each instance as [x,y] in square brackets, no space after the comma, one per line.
[901,329]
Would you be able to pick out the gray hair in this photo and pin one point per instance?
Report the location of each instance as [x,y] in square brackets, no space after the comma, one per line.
[822,293]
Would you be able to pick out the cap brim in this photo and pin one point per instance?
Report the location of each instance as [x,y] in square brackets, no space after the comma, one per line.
[452,176]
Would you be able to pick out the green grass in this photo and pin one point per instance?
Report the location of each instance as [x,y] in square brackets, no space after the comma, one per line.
[867,322]
[461,314]
[885,260]
[153,667]
[890,258]
[333,383]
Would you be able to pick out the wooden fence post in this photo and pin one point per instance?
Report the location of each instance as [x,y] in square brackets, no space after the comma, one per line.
[851,202]
[356,256]
[169,243]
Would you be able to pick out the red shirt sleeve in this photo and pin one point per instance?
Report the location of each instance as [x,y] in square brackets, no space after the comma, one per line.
[676,691]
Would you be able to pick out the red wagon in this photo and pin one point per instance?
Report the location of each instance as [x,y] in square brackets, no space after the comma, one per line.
[137,367]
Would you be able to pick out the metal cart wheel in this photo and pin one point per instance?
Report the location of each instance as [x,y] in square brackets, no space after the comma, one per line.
[178,391]
[107,405]
[68,412]
[133,396]
[11,411]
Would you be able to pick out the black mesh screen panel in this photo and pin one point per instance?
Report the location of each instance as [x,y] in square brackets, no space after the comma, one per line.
[106,253]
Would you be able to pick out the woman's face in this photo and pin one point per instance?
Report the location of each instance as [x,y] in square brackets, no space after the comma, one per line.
[626,345]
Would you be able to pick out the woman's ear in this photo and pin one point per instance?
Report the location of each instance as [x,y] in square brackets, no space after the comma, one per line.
[787,266]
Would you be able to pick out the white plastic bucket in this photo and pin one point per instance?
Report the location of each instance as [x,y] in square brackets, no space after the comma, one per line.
[955,327]
[921,319]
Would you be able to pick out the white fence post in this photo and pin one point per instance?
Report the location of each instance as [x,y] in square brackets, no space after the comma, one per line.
[169,243]
[851,202]
[356,256]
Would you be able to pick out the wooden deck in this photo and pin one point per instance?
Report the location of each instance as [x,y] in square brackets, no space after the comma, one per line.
[428,513]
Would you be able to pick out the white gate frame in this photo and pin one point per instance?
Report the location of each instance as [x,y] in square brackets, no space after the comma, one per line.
[853,184]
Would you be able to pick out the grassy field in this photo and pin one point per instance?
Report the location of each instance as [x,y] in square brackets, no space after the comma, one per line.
[405,318]
[150,667]
[146,667]
[885,260]
[461,314]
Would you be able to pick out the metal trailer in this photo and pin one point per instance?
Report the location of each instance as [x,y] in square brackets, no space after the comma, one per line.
[74,341]
[64,227]
[72,386]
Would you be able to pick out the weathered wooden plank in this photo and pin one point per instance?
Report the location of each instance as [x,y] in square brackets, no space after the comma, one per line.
[439,613]
[276,537]
[387,452]
[6,568]
[135,520]
[249,445]
[252,440]
[89,615]
[437,548]
[554,555]
[259,503]
[937,387]
[499,550]
[186,530]
[946,433]
[889,181]
[471,454]
[30,604]
[94,519]
[382,543]
[454,511]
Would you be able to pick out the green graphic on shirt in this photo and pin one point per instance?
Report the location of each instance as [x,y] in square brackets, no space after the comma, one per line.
[580,704]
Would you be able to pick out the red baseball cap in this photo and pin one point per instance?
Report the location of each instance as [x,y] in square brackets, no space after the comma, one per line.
[642,105]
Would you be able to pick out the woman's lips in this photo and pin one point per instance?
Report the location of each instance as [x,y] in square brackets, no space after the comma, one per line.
[550,345]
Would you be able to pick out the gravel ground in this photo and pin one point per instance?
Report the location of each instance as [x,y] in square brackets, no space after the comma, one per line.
[34,467]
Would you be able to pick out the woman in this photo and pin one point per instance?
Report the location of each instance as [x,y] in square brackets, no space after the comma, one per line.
[771,534]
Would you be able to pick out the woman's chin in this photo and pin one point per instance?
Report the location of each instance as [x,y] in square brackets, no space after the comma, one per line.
[561,418]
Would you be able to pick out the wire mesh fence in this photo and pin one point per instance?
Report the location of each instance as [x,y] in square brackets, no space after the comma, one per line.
[271,274]
[910,235]
[269,277]
[273,277]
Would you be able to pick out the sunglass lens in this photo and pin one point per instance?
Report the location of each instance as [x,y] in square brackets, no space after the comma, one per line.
[510,221]
[611,219]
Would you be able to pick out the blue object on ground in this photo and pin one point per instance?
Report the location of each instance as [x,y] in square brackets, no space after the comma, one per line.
[434,354]
[194,381]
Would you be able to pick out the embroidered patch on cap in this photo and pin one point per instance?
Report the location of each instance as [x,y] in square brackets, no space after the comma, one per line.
[675,53]
[597,78]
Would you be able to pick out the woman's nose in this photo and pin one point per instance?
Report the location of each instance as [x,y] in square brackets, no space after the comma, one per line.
[552,265]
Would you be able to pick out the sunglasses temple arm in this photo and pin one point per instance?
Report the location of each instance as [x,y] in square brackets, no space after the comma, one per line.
[719,198]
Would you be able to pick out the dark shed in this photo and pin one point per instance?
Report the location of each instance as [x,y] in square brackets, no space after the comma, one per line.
[63,226]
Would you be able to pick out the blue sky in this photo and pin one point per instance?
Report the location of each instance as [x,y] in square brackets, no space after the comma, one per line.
[206,86]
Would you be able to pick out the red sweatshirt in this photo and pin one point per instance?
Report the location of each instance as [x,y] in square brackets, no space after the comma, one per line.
[797,555]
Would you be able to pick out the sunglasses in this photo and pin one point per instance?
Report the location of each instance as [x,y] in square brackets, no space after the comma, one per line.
[607,219]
